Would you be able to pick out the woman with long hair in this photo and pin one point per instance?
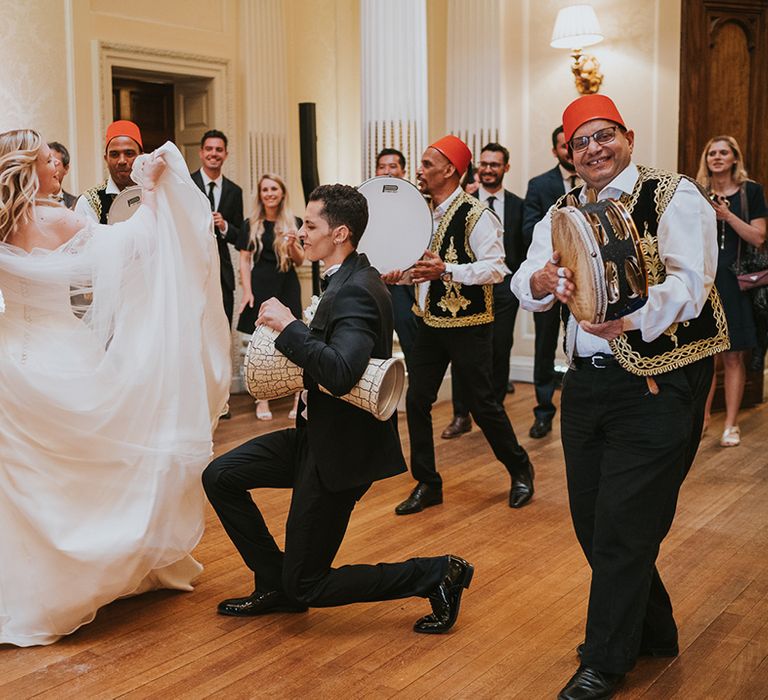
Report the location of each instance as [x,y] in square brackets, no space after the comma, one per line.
[115,366]
[741,212]
[270,251]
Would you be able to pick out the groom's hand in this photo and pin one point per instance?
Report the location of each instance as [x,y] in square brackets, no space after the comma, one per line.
[274,315]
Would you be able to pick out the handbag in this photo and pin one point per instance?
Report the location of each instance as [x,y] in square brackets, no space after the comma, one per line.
[752,270]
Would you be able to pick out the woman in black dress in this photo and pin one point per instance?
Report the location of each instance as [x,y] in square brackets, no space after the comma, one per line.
[741,212]
[270,250]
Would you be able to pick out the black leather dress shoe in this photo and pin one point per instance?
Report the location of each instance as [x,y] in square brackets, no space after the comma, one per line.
[590,684]
[446,598]
[522,487]
[540,428]
[259,604]
[510,387]
[458,426]
[421,497]
[665,652]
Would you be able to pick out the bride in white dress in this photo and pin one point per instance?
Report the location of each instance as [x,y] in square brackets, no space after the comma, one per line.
[114,365]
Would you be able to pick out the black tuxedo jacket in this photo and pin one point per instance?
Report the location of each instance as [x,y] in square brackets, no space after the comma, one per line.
[352,324]
[231,208]
[543,191]
[514,248]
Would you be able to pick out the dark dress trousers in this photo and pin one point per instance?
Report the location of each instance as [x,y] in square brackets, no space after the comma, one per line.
[231,208]
[329,460]
[543,191]
[505,307]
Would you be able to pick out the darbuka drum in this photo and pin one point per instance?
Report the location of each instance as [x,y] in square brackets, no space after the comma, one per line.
[271,375]
[599,243]
[399,224]
[124,206]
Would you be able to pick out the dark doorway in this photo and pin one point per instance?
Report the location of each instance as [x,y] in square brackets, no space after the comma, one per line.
[149,104]
[723,90]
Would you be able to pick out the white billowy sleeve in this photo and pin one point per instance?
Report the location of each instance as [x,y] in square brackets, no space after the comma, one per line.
[539,253]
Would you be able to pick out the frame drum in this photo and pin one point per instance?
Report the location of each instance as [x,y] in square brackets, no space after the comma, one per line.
[399,223]
[124,206]
[599,243]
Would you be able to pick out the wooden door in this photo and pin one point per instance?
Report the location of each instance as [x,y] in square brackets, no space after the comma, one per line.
[194,116]
[724,90]
[149,104]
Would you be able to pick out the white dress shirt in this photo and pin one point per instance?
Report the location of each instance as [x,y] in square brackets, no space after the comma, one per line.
[83,208]
[687,244]
[567,175]
[218,183]
[487,244]
[498,205]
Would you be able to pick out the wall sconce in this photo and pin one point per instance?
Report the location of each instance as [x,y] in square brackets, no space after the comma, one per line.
[576,27]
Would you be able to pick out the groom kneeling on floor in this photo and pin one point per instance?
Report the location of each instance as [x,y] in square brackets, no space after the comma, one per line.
[335,452]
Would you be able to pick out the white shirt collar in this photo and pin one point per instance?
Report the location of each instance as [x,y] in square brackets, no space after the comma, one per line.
[112,188]
[484,194]
[331,270]
[623,182]
[218,181]
[440,209]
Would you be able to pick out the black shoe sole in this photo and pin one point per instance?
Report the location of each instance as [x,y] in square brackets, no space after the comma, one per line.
[277,609]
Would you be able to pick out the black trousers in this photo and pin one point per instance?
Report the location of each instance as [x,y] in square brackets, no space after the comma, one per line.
[317,522]
[469,350]
[627,453]
[504,315]
[547,328]
[405,319]
[228,297]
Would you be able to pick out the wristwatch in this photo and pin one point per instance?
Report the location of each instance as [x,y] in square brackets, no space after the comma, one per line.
[447,276]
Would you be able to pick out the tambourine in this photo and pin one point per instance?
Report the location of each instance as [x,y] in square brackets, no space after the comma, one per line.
[124,205]
[600,244]
[399,223]
[271,375]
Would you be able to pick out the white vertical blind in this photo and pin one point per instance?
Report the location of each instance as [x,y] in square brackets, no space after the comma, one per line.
[394,80]
[265,78]
[473,109]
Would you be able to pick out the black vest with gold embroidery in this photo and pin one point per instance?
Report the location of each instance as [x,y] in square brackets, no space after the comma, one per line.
[682,343]
[99,200]
[452,304]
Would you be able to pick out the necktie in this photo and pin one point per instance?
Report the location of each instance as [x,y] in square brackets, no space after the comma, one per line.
[211,185]
[324,280]
[573,181]
[490,202]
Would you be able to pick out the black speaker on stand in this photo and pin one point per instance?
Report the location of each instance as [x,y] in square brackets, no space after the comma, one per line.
[309,175]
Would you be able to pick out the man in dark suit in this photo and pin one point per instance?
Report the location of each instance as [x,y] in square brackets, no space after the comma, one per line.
[494,163]
[543,191]
[227,204]
[336,450]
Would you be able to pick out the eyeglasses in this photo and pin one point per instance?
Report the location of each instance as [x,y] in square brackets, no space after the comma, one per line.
[579,143]
[491,166]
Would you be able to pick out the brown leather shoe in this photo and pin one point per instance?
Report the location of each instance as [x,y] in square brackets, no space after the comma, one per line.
[459,425]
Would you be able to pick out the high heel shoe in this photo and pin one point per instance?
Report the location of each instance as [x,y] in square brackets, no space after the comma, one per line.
[731,436]
[262,410]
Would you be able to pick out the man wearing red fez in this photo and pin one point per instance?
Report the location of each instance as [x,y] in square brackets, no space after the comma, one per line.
[633,399]
[455,281]
[121,146]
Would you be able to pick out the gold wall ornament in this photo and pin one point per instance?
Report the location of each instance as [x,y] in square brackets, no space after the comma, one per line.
[586,71]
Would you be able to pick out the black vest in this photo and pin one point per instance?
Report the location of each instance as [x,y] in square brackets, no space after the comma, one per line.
[452,304]
[99,200]
[682,343]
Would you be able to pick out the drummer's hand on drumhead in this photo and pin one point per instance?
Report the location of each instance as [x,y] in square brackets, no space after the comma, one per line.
[274,315]
[392,277]
[429,268]
[553,279]
[609,330]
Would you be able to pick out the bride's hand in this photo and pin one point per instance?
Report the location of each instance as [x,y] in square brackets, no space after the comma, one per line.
[152,170]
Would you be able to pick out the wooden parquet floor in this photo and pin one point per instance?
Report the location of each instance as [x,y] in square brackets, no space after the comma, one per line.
[520,622]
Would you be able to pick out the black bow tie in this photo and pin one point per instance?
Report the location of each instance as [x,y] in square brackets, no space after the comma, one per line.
[324,281]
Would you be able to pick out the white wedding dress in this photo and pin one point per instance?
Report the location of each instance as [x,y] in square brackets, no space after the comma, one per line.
[106,414]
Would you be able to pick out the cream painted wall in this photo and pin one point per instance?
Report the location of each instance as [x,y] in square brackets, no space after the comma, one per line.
[324,68]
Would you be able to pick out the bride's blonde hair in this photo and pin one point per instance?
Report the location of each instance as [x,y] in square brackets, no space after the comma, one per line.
[18,177]
[284,223]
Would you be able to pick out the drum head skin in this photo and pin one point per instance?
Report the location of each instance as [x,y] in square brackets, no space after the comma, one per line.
[124,206]
[579,252]
[399,224]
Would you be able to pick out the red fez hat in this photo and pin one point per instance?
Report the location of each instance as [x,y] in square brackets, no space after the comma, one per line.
[586,108]
[122,127]
[455,150]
